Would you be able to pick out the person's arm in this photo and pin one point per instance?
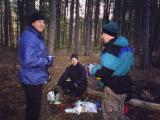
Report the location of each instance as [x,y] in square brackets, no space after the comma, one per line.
[103,72]
[63,77]
[33,56]
[106,67]
[82,76]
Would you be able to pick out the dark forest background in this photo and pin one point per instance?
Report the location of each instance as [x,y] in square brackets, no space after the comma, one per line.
[75,27]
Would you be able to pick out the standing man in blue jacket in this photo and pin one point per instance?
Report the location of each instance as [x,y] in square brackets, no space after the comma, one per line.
[116,60]
[33,65]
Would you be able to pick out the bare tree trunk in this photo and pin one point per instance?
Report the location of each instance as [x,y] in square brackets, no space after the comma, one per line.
[64,36]
[11,32]
[84,23]
[22,13]
[52,28]
[155,33]
[96,23]
[88,32]
[58,26]
[30,7]
[6,23]
[138,35]
[117,10]
[2,25]
[123,27]
[0,22]
[106,12]
[18,23]
[71,24]
[146,49]
[157,41]
[77,21]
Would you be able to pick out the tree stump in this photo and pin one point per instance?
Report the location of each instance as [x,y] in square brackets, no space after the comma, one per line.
[112,105]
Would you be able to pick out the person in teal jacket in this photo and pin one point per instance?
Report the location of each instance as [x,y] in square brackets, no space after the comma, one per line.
[33,64]
[116,60]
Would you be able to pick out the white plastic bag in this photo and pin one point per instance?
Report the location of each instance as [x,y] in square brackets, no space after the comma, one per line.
[51,96]
[81,107]
[76,109]
[89,107]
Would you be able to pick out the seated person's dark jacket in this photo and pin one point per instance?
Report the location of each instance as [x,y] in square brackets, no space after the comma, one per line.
[78,80]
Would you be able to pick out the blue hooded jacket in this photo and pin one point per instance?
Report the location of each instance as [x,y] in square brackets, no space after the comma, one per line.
[115,64]
[32,57]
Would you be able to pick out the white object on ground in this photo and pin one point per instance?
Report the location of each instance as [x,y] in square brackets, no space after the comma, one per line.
[51,96]
[57,102]
[82,107]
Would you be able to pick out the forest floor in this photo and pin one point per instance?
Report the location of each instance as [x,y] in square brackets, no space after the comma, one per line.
[12,99]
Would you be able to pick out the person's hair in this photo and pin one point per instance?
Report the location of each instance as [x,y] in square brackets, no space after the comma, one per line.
[74,56]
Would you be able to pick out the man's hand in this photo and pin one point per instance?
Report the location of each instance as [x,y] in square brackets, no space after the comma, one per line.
[50,60]
[89,69]
[49,76]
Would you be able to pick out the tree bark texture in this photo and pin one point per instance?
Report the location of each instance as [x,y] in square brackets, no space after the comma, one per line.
[71,25]
[52,28]
[112,105]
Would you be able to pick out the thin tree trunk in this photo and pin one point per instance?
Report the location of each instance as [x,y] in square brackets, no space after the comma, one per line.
[146,49]
[154,31]
[11,32]
[2,25]
[58,32]
[52,28]
[71,24]
[18,22]
[123,27]
[88,32]
[96,23]
[138,29]
[84,23]
[22,15]
[77,22]
[64,35]
[6,28]
[106,12]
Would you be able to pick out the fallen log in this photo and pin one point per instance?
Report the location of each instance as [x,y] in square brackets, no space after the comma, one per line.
[144,104]
[134,102]
[94,93]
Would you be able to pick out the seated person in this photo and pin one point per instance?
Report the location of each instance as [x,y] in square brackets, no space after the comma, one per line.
[73,81]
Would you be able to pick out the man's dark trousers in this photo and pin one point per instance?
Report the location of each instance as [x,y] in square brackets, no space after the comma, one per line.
[33,99]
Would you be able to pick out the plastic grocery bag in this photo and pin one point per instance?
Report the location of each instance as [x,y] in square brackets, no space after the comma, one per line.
[51,96]
[81,107]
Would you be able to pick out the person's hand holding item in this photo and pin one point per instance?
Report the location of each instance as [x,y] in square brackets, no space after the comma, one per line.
[89,69]
[50,59]
[94,68]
